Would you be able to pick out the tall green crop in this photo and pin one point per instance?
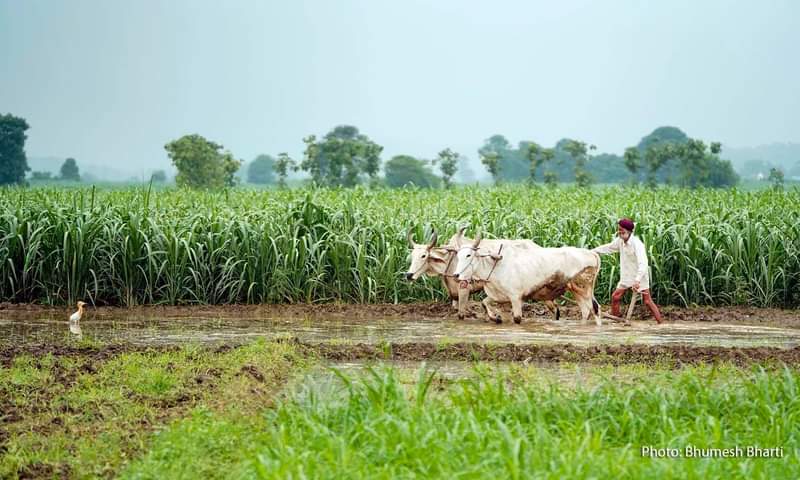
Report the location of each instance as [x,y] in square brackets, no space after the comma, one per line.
[126,247]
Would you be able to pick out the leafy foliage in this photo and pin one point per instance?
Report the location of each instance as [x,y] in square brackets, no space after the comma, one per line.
[69,171]
[404,170]
[448,164]
[260,170]
[202,163]
[13,162]
[282,165]
[776,178]
[159,176]
[342,158]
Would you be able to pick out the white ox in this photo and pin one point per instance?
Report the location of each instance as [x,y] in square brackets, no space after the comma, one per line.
[432,260]
[520,272]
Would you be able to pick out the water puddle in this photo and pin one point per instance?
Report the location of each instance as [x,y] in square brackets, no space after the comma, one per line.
[324,382]
[164,331]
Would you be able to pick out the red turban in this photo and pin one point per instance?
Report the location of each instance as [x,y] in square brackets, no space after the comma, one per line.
[627,224]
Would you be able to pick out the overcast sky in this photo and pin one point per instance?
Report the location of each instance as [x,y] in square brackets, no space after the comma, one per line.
[110,82]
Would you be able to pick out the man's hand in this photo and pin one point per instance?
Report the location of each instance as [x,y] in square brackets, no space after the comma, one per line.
[635,286]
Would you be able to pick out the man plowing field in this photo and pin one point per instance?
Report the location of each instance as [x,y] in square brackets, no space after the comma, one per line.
[633,267]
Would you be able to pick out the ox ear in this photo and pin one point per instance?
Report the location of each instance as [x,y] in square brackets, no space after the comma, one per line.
[477,241]
[410,241]
[434,239]
[437,256]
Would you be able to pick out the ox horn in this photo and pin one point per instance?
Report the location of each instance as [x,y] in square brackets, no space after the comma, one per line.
[460,236]
[410,241]
[434,238]
[477,241]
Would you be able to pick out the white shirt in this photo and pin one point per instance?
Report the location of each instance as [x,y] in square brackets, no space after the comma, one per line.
[632,261]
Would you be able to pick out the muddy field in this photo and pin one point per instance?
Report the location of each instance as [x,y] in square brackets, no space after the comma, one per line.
[433,323]
[432,310]
[661,355]
[125,375]
[416,332]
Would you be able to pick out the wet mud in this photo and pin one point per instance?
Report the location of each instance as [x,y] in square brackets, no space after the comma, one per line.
[427,310]
[657,355]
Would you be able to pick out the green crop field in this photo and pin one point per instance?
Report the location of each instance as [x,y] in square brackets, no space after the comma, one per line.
[135,246]
[269,410]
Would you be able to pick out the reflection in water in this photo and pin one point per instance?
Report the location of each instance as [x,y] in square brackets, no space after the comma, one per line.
[359,330]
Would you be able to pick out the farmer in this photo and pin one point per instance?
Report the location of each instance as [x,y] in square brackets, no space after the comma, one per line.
[633,267]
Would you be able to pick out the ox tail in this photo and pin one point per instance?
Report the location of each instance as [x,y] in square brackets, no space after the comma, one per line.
[595,305]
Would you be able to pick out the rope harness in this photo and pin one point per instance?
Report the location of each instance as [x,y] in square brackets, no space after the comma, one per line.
[427,264]
[497,257]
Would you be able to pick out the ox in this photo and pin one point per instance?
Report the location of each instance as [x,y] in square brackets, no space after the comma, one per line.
[518,272]
[432,260]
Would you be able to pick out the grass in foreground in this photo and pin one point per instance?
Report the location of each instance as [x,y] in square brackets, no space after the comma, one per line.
[195,413]
[511,424]
[73,416]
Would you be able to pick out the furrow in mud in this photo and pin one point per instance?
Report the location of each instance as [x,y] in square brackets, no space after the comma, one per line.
[674,355]
[662,355]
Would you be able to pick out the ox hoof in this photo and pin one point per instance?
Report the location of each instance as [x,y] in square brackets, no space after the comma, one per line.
[498,320]
[461,316]
[517,320]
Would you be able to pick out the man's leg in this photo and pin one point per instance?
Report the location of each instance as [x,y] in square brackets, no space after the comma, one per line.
[648,300]
[616,298]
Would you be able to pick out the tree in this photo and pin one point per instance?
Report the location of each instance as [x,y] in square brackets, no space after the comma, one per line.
[496,143]
[655,156]
[694,163]
[633,160]
[342,158]
[261,169]
[776,178]
[513,164]
[448,164]
[202,163]
[491,160]
[722,173]
[404,170]
[159,176]
[550,177]
[13,163]
[668,155]
[69,171]
[539,158]
[282,166]
[671,170]
[536,158]
[702,166]
[577,150]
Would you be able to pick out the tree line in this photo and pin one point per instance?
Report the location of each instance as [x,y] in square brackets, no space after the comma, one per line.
[345,157]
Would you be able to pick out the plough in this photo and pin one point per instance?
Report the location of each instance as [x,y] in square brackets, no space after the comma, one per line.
[627,320]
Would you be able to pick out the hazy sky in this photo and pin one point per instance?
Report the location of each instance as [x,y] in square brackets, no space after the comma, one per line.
[110,82]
